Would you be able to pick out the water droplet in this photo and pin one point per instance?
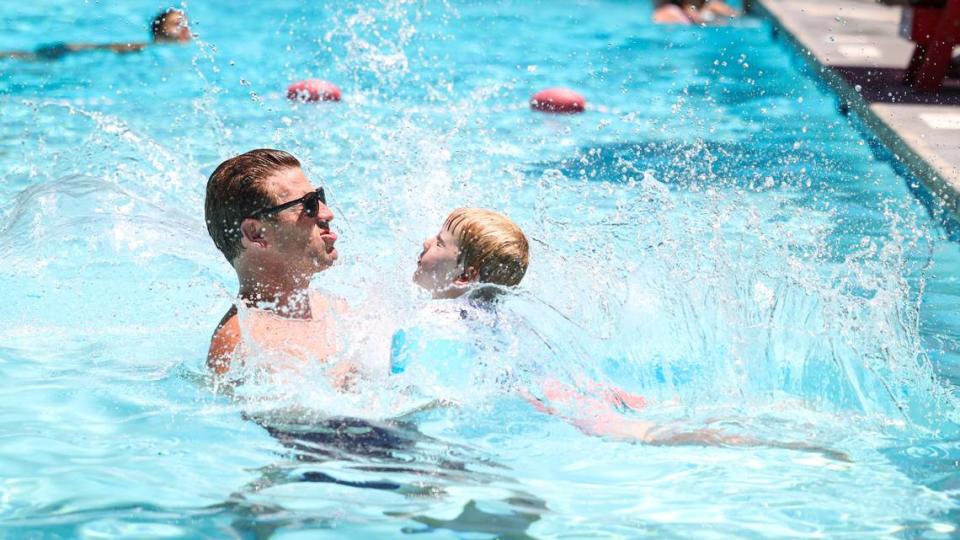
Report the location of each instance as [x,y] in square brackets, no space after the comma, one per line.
[858,88]
[244,82]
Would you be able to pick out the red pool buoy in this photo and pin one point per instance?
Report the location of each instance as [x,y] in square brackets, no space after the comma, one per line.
[558,100]
[313,90]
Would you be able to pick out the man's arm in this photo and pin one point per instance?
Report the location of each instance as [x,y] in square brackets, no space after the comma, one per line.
[223,345]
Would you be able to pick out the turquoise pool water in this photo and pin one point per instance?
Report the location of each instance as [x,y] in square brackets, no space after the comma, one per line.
[712,233]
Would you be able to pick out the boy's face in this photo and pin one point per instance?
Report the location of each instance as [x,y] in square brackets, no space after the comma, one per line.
[437,268]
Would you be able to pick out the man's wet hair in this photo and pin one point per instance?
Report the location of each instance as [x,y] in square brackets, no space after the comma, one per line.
[235,190]
[157,24]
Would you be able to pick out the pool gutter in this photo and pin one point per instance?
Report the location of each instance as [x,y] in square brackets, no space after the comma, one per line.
[895,125]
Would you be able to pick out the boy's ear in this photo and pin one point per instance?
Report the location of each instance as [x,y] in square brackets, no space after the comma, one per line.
[468,276]
[252,233]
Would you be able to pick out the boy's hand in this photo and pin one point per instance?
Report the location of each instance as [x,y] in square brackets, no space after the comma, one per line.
[613,395]
[618,397]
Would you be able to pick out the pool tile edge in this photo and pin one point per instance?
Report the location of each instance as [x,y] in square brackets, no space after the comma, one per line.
[886,121]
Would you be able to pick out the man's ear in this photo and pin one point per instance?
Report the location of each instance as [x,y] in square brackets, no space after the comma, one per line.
[468,276]
[252,233]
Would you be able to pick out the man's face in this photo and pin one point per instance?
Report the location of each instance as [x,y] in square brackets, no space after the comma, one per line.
[437,266]
[297,242]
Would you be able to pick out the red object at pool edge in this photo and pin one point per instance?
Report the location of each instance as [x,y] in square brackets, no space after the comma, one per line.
[558,100]
[313,90]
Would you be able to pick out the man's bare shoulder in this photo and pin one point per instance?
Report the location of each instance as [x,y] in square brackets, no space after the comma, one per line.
[223,345]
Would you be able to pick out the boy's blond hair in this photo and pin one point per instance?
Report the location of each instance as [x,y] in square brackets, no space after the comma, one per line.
[491,244]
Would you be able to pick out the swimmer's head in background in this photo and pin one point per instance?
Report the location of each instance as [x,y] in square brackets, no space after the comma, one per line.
[474,246]
[171,26]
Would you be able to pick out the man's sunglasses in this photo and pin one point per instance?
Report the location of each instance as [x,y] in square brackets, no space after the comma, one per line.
[311,205]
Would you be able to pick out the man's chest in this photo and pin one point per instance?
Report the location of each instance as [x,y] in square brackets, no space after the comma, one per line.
[308,341]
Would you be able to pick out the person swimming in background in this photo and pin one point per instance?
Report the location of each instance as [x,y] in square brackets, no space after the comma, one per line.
[169,26]
[692,12]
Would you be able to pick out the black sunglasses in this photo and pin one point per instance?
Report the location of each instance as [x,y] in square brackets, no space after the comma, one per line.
[311,205]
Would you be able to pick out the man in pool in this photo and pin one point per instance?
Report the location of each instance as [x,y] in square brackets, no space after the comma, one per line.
[273,226]
[169,26]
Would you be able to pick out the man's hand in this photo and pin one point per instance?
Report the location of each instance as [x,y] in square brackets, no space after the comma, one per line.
[344,376]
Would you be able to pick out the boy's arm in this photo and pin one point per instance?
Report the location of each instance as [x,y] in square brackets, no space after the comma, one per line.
[224,344]
[593,416]
[604,422]
[634,430]
[601,394]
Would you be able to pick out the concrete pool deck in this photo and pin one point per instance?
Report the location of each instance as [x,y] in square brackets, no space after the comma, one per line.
[856,48]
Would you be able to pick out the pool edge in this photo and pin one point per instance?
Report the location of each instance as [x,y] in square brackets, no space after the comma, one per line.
[940,178]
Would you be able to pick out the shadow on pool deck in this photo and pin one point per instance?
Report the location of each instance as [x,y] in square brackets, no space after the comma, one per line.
[885,85]
[857,42]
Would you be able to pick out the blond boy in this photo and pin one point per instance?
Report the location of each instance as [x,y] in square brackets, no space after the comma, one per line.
[475,247]
[478,254]
[475,255]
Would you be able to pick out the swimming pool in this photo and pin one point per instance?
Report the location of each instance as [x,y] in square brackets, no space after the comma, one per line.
[712,234]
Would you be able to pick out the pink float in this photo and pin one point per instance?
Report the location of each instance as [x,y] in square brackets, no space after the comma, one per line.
[558,100]
[313,90]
